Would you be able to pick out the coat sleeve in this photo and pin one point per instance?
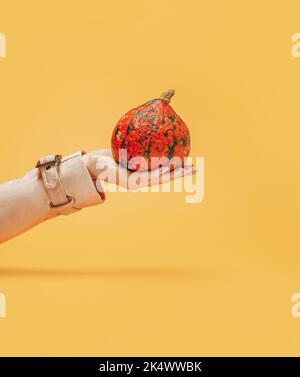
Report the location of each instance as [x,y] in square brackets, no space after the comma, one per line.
[25,203]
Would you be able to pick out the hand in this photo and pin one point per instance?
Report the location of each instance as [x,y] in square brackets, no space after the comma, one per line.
[102,161]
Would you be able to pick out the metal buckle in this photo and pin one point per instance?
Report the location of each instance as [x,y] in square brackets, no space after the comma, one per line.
[70,199]
[55,162]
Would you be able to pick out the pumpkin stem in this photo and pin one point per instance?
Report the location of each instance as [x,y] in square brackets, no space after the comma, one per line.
[166,96]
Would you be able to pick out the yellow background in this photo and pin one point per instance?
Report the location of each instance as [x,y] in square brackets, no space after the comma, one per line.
[146,273]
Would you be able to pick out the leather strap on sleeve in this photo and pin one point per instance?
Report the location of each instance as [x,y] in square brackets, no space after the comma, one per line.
[68,183]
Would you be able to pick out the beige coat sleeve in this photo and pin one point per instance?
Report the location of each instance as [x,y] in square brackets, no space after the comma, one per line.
[25,202]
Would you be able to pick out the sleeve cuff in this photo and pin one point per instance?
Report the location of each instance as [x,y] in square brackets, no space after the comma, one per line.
[69,184]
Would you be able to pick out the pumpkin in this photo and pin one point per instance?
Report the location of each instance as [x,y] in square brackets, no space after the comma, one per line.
[151,135]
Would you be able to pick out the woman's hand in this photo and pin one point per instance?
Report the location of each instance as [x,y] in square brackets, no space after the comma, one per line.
[102,165]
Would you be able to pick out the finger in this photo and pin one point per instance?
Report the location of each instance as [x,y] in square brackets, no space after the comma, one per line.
[183,172]
[177,173]
[139,179]
[160,175]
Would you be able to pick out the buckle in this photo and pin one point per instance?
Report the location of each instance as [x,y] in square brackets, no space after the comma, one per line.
[69,200]
[55,161]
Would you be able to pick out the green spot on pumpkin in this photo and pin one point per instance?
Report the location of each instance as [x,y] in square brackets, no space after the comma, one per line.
[171,149]
[129,129]
[172,118]
[147,150]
